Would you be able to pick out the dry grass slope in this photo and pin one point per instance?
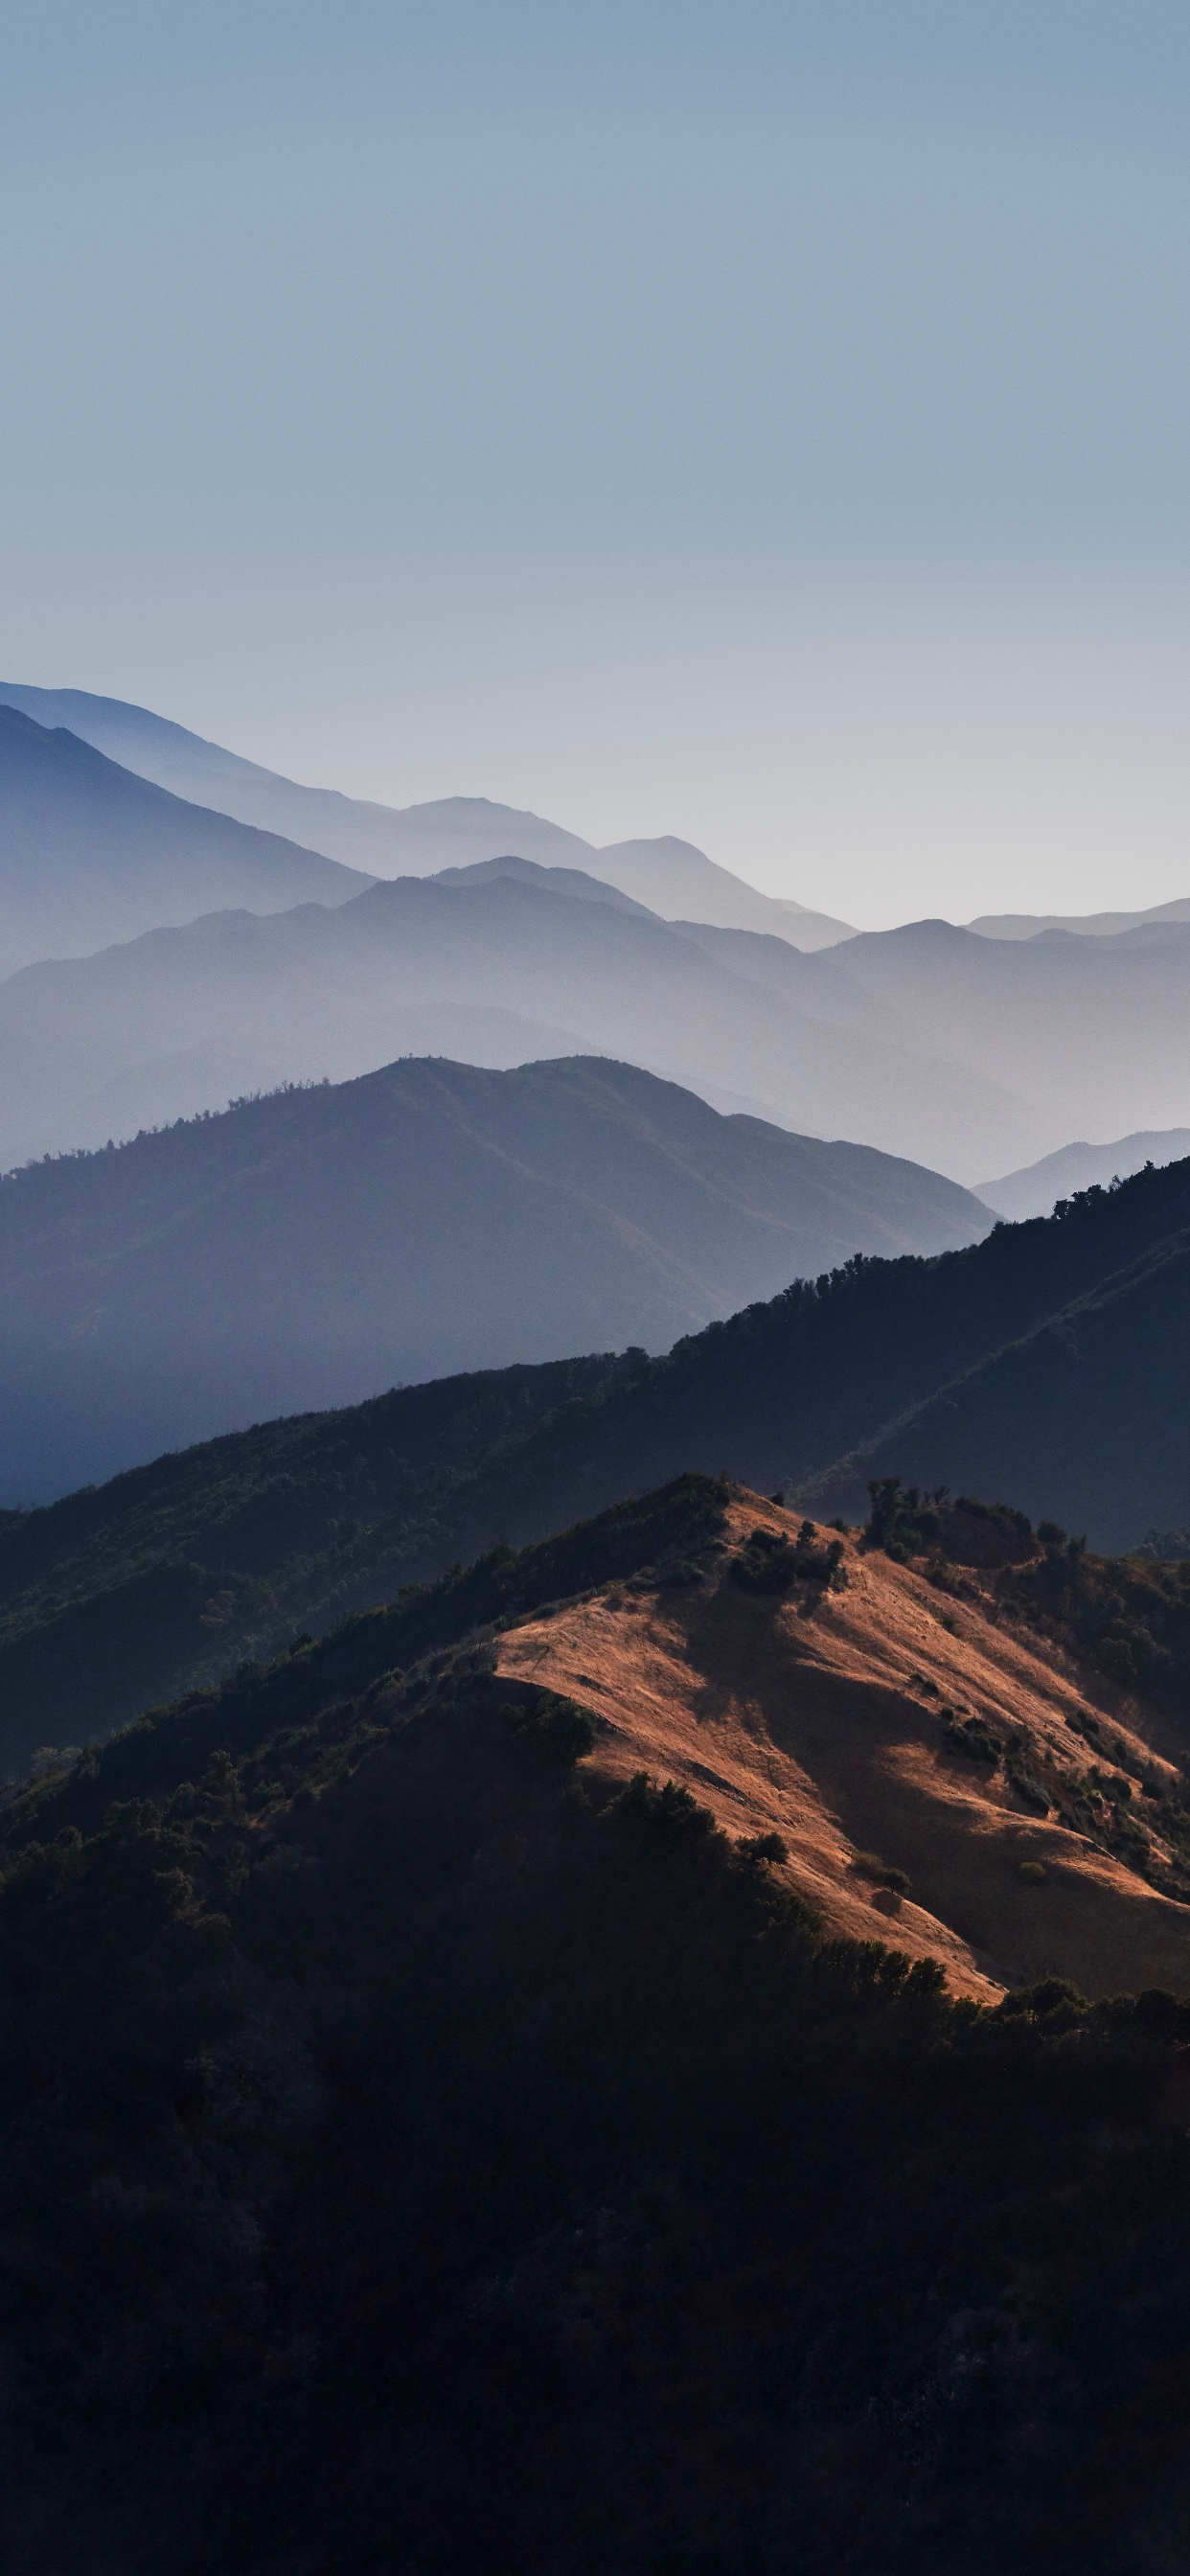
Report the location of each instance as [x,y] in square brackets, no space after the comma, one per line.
[821,1715]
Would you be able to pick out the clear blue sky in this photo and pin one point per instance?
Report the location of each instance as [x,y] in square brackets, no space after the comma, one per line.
[763,423]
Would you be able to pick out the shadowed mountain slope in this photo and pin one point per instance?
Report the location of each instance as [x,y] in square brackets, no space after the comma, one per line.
[384,2076]
[667,875]
[309,1248]
[91,853]
[1087,1416]
[177,1570]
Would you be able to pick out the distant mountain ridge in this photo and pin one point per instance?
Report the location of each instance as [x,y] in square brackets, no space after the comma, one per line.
[91,853]
[964,1054]
[667,875]
[311,1248]
[1032,1192]
[740,1017]
[1083,925]
[939,1045]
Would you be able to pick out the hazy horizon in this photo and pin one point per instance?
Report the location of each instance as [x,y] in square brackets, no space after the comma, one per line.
[762,426]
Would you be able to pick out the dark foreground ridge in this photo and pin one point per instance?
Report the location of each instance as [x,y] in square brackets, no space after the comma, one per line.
[417,2158]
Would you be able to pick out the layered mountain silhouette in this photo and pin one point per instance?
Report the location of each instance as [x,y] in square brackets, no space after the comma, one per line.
[313,993]
[1033,1191]
[309,1248]
[672,877]
[1086,925]
[90,853]
[967,1054]
[1047,1364]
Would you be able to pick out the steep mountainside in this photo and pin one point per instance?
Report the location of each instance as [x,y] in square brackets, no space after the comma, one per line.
[1080,1167]
[386,2056]
[1085,1416]
[889,1731]
[176,1570]
[668,876]
[90,853]
[312,1247]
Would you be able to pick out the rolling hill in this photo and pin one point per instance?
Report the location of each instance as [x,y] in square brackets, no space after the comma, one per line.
[311,1247]
[172,1573]
[667,875]
[91,853]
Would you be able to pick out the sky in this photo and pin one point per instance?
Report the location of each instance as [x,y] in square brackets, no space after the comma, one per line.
[764,423]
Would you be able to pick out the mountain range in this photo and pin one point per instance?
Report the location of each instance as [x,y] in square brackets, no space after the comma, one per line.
[1032,1192]
[928,1042]
[90,853]
[309,1248]
[1053,1352]
[943,1046]
[449,1829]
[1085,925]
[670,876]
[154,1028]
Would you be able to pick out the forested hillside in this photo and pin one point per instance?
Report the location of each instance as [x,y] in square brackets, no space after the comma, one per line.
[382,2089]
[177,1570]
[1087,1414]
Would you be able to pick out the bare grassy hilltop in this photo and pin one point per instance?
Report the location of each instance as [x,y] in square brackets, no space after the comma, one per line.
[885,1730]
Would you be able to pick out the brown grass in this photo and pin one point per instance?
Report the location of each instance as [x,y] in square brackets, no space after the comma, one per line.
[810,1714]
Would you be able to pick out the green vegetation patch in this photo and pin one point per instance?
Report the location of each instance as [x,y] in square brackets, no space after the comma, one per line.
[1129,1616]
[974,1738]
[767,1562]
